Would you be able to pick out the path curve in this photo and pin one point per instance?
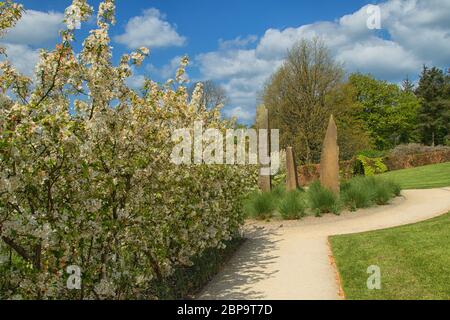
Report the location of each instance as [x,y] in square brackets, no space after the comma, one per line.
[290,259]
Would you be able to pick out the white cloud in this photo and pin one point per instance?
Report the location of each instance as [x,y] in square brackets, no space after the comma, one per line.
[383,58]
[243,91]
[415,32]
[23,57]
[136,81]
[239,42]
[421,27]
[150,30]
[229,63]
[36,28]
[242,74]
[239,113]
[167,71]
[418,32]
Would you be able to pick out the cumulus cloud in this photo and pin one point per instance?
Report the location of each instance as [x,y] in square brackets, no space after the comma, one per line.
[244,92]
[150,30]
[223,64]
[23,57]
[136,81]
[239,42]
[167,71]
[383,58]
[242,74]
[414,32]
[421,27]
[36,29]
[239,113]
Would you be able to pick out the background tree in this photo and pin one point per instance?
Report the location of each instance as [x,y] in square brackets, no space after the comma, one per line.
[213,94]
[295,97]
[434,112]
[301,95]
[389,113]
[407,85]
[352,132]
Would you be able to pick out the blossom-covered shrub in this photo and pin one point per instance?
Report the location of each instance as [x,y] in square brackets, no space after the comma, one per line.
[86,178]
[10,13]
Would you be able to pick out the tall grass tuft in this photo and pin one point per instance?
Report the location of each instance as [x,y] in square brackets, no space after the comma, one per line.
[279,191]
[260,205]
[362,192]
[357,193]
[322,200]
[384,190]
[395,187]
[292,206]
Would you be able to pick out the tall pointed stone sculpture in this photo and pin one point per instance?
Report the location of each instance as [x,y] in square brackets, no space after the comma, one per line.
[329,162]
[262,122]
[291,170]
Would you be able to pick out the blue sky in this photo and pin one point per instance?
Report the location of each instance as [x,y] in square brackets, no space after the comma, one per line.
[239,44]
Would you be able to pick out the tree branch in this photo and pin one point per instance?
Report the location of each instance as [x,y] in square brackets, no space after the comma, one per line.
[17,248]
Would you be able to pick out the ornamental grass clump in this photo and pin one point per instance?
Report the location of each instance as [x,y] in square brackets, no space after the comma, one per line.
[395,187]
[292,206]
[363,192]
[261,205]
[321,200]
[357,193]
[279,191]
[383,190]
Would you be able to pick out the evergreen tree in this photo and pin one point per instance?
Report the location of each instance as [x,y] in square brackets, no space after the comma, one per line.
[407,85]
[434,113]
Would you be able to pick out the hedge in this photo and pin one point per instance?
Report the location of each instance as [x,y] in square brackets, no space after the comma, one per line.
[416,160]
[369,166]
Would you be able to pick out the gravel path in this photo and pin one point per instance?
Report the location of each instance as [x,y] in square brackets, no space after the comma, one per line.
[292,260]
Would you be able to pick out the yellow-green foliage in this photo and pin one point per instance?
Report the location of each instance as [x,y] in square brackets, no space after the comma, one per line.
[371,166]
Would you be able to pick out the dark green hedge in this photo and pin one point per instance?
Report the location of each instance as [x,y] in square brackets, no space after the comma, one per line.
[186,282]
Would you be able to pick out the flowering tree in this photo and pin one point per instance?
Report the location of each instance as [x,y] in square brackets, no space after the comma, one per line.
[10,12]
[85,176]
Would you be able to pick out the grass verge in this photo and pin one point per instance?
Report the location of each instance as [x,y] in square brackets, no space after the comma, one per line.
[431,176]
[414,261]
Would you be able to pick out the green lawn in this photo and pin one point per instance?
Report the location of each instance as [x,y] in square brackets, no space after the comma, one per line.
[414,261]
[431,176]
